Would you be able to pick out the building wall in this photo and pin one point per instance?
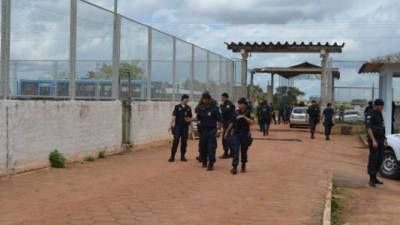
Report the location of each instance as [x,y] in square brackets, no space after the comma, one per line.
[75,128]
[150,121]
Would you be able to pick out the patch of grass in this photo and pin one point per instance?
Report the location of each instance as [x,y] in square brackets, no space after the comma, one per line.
[57,159]
[102,154]
[360,133]
[90,158]
[336,207]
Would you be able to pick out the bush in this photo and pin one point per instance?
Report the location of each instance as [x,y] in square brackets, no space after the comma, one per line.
[90,159]
[57,160]
[102,154]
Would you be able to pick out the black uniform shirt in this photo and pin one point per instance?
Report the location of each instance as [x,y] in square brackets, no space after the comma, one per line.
[208,116]
[265,111]
[313,112]
[181,112]
[328,114]
[376,122]
[241,126]
[227,111]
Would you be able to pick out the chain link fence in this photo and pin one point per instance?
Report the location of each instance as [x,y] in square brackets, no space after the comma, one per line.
[74,49]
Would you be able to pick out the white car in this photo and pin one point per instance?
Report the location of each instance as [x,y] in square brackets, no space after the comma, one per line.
[391,159]
[351,116]
[299,117]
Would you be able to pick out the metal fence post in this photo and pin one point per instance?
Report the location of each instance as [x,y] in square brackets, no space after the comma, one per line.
[116,55]
[5,47]
[208,70]
[192,73]
[149,59]
[72,48]
[174,86]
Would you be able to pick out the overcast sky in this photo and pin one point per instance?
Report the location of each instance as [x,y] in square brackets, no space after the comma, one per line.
[368,28]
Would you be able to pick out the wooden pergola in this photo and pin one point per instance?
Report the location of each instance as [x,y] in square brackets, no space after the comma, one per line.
[305,68]
[323,49]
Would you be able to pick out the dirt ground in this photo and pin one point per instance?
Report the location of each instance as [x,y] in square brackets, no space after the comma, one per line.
[286,184]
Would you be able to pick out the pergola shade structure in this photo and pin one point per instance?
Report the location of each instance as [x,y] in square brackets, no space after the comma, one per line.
[295,47]
[305,68]
[285,47]
[388,67]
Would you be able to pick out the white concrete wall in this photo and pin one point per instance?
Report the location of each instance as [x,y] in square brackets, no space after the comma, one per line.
[3,137]
[75,128]
[150,121]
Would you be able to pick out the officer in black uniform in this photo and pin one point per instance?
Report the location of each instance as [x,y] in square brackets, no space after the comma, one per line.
[179,125]
[273,115]
[227,113]
[239,135]
[314,116]
[328,120]
[209,119]
[376,141]
[258,115]
[265,116]
[367,111]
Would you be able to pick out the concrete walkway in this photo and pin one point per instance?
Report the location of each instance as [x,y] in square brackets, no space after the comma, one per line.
[286,184]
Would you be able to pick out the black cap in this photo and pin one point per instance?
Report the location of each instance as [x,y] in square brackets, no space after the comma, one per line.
[243,101]
[184,97]
[379,102]
[225,95]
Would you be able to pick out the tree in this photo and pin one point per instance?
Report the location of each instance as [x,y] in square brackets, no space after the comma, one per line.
[105,72]
[287,95]
[258,93]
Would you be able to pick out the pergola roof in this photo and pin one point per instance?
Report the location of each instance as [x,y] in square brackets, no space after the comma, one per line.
[296,70]
[374,65]
[285,47]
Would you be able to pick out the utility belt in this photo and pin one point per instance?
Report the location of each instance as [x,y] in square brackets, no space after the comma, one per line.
[207,128]
[379,132]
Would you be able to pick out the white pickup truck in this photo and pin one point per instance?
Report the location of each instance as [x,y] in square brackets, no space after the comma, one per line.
[391,159]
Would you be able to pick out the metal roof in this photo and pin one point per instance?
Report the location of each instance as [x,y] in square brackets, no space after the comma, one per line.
[374,65]
[296,70]
[285,47]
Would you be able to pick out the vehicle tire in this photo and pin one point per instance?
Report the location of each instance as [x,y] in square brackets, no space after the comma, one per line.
[390,166]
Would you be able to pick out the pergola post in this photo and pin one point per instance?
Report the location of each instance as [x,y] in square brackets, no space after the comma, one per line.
[250,94]
[270,90]
[386,94]
[245,57]
[324,79]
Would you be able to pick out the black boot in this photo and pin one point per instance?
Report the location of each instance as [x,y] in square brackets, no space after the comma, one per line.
[204,165]
[224,156]
[210,166]
[377,181]
[372,181]
[234,170]
[171,159]
[243,170]
[183,158]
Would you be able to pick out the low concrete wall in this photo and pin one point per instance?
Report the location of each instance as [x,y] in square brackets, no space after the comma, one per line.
[150,121]
[75,128]
[3,138]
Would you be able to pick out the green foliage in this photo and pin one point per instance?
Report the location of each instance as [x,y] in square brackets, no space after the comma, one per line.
[102,154]
[127,69]
[336,207]
[287,95]
[258,93]
[89,158]
[57,160]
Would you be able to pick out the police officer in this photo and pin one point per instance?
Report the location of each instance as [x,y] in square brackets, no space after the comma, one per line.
[258,115]
[227,109]
[314,115]
[239,135]
[273,115]
[179,125]
[265,116]
[376,141]
[367,111]
[209,119]
[328,120]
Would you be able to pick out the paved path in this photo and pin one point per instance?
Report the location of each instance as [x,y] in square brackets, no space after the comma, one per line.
[286,184]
